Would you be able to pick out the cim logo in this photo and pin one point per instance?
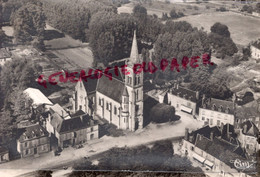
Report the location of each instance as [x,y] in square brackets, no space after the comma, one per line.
[242,165]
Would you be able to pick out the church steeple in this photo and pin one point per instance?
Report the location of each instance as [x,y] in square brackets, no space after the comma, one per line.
[134,56]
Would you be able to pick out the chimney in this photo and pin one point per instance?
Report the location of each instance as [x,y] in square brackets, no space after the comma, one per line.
[177,86]
[62,113]
[228,134]
[81,118]
[197,95]
[186,134]
[211,136]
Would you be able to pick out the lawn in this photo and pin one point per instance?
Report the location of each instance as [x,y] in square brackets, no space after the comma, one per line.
[243,29]
[73,52]
[158,8]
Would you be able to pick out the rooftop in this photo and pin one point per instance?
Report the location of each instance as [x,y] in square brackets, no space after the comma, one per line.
[184,93]
[37,97]
[60,111]
[32,132]
[250,129]
[77,121]
[219,105]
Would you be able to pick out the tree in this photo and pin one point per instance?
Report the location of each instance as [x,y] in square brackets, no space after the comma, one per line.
[223,45]
[3,37]
[161,113]
[111,38]
[220,29]
[28,22]
[139,10]
[173,13]
[43,173]
[257,7]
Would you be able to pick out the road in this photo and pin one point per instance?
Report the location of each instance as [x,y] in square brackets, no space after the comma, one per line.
[151,133]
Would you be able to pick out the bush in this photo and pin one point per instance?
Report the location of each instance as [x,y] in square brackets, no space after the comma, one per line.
[196,8]
[161,113]
[222,9]
[189,7]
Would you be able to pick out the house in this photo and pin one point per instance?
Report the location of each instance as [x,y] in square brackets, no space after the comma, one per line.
[119,101]
[71,129]
[215,112]
[255,50]
[33,140]
[249,111]
[216,148]
[4,154]
[249,136]
[183,99]
[5,56]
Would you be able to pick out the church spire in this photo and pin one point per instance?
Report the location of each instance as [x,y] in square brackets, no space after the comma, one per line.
[134,58]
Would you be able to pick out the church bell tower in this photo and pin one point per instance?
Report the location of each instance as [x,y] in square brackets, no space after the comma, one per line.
[134,85]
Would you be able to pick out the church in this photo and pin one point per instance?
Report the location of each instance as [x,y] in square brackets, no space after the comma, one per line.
[119,101]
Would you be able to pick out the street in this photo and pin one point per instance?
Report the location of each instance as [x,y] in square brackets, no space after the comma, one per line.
[153,132]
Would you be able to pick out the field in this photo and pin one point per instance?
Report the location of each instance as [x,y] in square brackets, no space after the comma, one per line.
[73,53]
[243,29]
[161,7]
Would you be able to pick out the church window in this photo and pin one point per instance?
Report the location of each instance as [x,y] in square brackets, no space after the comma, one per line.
[99,101]
[107,105]
[124,119]
[136,95]
[115,110]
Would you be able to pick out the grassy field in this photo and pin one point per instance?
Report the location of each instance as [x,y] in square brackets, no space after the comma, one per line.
[161,7]
[243,29]
[72,52]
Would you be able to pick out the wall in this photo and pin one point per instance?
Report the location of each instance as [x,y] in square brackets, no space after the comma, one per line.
[82,135]
[255,52]
[42,144]
[107,114]
[215,116]
[176,102]
[218,167]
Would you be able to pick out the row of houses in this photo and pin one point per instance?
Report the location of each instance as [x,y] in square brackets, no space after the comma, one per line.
[219,150]
[54,128]
[215,112]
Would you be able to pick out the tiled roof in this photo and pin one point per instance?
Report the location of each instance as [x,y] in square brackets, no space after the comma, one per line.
[59,110]
[256,44]
[72,124]
[227,132]
[205,131]
[111,88]
[219,105]
[37,96]
[249,128]
[221,149]
[184,93]
[90,85]
[32,132]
